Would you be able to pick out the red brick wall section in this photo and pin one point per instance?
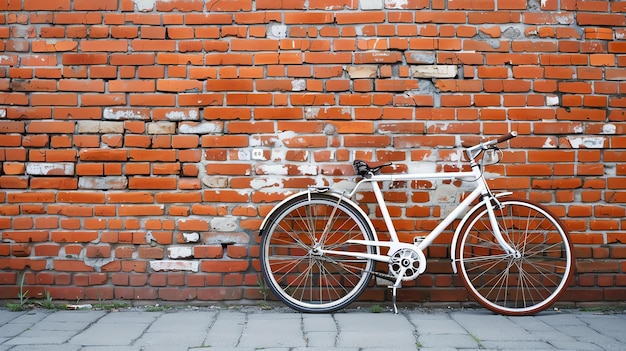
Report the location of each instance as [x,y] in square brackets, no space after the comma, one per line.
[143,141]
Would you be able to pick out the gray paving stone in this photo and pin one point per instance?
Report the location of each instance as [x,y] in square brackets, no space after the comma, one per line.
[273,331]
[382,331]
[487,326]
[7,316]
[64,347]
[250,329]
[116,329]
[182,330]
[41,337]
[452,341]
[226,330]
[320,339]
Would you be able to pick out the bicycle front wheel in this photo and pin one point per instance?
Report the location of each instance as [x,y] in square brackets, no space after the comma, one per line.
[523,283]
[295,261]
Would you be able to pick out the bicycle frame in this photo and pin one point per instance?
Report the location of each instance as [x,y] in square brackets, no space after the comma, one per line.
[481,190]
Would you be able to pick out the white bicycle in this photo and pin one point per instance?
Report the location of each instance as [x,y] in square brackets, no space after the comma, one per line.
[319,249]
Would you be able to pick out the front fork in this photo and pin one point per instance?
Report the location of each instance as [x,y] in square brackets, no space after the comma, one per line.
[492,202]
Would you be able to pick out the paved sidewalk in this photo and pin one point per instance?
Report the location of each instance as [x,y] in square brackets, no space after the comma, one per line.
[251,328]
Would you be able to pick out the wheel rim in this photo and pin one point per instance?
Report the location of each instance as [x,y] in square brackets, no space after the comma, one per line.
[297,270]
[516,284]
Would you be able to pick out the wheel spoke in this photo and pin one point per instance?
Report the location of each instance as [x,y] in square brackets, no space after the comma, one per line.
[526,282]
[292,259]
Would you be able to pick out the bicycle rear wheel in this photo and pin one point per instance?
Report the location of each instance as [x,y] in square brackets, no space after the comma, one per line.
[295,268]
[522,284]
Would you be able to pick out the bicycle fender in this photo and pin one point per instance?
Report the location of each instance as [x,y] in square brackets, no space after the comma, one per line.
[457,232]
[344,199]
[278,205]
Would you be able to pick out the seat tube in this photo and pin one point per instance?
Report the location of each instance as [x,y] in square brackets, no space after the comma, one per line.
[384,211]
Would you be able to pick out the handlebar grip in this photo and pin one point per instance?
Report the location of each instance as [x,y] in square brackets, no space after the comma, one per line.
[506,137]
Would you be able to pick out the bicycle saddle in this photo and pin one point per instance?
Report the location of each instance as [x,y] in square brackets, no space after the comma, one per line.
[364,170]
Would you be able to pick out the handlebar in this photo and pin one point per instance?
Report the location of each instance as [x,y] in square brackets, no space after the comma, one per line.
[473,151]
[506,137]
[362,169]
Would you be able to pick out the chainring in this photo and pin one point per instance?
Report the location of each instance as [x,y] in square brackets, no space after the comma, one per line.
[411,262]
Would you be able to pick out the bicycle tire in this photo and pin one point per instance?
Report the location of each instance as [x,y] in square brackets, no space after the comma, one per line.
[509,285]
[302,278]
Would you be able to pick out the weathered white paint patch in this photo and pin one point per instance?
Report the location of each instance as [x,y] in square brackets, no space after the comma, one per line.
[170,265]
[60,168]
[102,183]
[455,157]
[609,129]
[274,169]
[587,142]
[3,113]
[371,4]
[396,4]
[200,128]
[227,238]
[119,114]
[281,153]
[144,5]
[189,115]
[308,169]
[552,100]
[346,185]
[548,144]
[215,181]
[178,252]
[277,31]
[298,85]
[311,112]
[191,237]
[271,183]
[224,224]
[578,128]
[244,154]
[434,71]
[422,167]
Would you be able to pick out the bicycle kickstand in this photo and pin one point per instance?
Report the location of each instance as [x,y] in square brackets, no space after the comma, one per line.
[394,289]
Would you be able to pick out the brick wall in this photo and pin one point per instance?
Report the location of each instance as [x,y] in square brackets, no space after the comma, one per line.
[142,141]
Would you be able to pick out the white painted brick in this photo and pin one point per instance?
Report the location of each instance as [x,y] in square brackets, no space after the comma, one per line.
[364,71]
[3,112]
[174,266]
[224,224]
[371,4]
[144,5]
[200,128]
[434,71]
[191,237]
[117,114]
[98,127]
[183,115]
[102,183]
[215,181]
[50,169]
[177,252]
[161,128]
[227,238]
